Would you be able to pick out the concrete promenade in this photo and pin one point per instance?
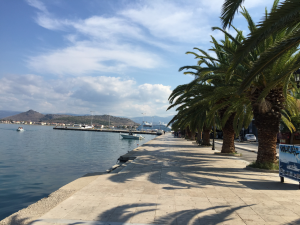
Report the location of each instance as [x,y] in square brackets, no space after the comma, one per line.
[173,181]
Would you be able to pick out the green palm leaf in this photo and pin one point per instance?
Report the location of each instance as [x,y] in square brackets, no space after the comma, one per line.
[229,8]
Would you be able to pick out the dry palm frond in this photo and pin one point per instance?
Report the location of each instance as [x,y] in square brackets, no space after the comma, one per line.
[265,106]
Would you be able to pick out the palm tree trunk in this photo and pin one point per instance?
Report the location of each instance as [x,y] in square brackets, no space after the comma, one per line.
[192,135]
[228,136]
[267,121]
[188,133]
[292,138]
[206,138]
[267,139]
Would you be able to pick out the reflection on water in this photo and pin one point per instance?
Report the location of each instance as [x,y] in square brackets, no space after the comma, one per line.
[40,160]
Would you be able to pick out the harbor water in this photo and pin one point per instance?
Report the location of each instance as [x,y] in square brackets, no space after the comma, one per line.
[40,160]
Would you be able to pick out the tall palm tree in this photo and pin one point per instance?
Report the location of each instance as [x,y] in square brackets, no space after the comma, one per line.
[223,94]
[269,89]
[192,110]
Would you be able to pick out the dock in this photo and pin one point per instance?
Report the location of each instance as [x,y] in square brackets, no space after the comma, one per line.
[103,130]
[170,181]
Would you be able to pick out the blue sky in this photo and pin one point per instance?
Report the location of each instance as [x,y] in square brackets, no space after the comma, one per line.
[117,57]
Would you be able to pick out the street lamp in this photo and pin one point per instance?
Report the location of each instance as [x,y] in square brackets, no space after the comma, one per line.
[213,145]
[297,77]
[143,121]
[92,119]
[108,121]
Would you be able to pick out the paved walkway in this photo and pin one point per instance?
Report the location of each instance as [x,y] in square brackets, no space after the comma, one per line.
[176,182]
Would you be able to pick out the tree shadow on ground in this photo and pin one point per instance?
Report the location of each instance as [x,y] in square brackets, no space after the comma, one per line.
[269,185]
[195,170]
[148,213]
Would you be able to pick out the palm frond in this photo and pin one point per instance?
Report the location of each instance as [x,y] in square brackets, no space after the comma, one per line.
[229,8]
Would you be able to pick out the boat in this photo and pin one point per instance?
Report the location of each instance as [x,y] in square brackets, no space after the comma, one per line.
[131,135]
[145,124]
[293,167]
[20,129]
[160,132]
[87,127]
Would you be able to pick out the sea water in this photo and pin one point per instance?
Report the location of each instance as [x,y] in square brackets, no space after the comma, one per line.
[40,160]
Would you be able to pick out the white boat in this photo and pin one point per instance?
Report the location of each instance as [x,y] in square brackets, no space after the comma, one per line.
[87,127]
[20,129]
[132,136]
[293,167]
[145,124]
[159,132]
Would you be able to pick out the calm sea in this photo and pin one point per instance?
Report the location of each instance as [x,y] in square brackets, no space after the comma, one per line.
[40,160]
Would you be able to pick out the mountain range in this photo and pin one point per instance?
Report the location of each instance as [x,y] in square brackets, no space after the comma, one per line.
[48,116]
[34,116]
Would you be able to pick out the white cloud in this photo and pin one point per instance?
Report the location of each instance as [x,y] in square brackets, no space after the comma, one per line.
[131,38]
[82,94]
[134,37]
[48,22]
[37,4]
[171,21]
[84,57]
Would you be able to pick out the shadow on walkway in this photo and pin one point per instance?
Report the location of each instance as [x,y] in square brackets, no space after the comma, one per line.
[182,169]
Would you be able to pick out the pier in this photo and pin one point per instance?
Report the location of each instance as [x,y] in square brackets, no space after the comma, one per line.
[103,130]
[170,181]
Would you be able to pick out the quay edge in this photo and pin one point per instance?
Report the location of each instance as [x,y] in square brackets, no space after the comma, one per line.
[103,130]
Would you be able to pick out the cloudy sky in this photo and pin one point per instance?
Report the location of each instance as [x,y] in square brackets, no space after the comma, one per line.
[118,57]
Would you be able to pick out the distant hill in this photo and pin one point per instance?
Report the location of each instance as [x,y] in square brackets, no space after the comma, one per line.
[54,116]
[34,116]
[97,119]
[6,113]
[30,115]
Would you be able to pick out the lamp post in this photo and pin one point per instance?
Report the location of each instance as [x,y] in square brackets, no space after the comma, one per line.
[213,145]
[297,77]
[143,121]
[92,119]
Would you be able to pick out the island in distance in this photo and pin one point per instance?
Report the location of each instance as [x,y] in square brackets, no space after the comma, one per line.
[33,117]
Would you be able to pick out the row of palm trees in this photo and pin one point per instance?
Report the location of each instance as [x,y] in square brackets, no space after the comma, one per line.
[244,78]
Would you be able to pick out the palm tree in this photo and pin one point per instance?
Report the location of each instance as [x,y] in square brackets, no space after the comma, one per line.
[268,89]
[192,111]
[223,94]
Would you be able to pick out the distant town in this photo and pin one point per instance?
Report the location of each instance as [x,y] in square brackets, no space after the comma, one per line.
[67,124]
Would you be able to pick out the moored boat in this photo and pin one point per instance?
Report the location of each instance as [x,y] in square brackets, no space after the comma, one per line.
[20,129]
[131,135]
[145,124]
[87,127]
[160,132]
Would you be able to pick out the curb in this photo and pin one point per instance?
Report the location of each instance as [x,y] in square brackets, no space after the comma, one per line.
[261,170]
[228,154]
